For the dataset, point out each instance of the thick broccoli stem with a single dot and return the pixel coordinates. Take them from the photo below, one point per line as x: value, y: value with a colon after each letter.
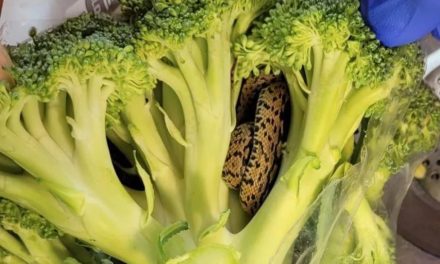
x: 354, y: 109
x: 328, y: 88
x: 208, y: 138
x: 10, y: 243
x: 205, y: 100
x: 166, y: 177
x: 56, y: 123
x: 328, y: 85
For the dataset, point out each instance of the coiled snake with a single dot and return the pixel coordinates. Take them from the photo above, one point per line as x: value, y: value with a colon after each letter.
x: 254, y: 152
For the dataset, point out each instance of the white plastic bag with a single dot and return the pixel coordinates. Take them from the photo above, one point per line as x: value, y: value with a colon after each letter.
x: 18, y: 16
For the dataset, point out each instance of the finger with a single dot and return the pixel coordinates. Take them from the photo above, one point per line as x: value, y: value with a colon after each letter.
x: 5, y: 61
x: 399, y: 22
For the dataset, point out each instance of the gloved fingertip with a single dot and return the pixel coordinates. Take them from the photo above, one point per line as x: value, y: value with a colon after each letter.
x: 364, y: 8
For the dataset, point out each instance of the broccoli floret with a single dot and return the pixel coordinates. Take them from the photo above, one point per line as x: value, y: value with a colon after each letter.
x: 70, y: 87
x: 336, y: 71
x: 187, y: 45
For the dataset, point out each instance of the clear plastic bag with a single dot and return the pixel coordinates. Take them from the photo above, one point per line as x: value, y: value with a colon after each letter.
x: 354, y: 220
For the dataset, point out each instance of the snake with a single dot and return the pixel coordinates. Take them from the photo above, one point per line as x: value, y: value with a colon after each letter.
x: 255, y: 148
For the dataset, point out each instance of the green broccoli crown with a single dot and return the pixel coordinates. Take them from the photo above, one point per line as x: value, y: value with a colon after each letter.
x: 37, y: 59
x: 13, y: 216
x: 408, y: 62
x: 291, y: 33
x: 75, y: 51
x: 97, y: 56
x: 119, y: 32
x: 418, y: 131
x: 80, y: 27
x: 171, y: 23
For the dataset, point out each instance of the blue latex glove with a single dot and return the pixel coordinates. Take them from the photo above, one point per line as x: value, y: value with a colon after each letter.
x: 399, y: 22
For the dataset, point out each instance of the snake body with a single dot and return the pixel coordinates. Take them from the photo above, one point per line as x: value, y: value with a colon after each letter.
x: 255, y: 149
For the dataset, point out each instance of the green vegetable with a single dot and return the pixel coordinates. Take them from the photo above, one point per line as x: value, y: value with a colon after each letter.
x: 160, y: 83
x: 71, y: 84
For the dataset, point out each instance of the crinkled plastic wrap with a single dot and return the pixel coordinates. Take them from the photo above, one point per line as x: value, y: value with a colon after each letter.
x: 354, y: 219
x: 18, y: 16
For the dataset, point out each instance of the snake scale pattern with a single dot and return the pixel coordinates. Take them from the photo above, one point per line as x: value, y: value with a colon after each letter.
x: 254, y: 152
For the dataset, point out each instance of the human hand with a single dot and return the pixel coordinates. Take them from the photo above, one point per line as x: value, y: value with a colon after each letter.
x: 399, y: 22
x: 5, y: 61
